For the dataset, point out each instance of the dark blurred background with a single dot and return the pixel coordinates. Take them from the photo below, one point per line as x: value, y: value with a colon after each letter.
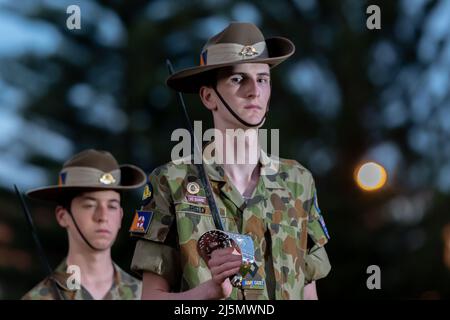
x: 348, y: 95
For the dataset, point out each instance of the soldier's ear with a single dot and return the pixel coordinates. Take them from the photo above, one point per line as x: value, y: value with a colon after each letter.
x: 208, y: 99
x: 61, y: 216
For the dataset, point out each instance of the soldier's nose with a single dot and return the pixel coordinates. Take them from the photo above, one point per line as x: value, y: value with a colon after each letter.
x: 253, y: 89
x: 101, y: 214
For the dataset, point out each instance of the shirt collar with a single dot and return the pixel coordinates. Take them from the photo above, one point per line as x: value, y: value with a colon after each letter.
x: 61, y: 275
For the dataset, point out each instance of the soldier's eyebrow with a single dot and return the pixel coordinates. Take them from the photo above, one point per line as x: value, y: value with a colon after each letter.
x: 247, y: 74
x: 89, y: 198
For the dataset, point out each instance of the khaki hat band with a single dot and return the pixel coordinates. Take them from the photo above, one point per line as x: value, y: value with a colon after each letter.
x: 232, y: 52
x: 85, y: 176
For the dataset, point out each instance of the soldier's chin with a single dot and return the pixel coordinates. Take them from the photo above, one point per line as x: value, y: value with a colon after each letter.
x: 103, y: 244
x: 253, y: 121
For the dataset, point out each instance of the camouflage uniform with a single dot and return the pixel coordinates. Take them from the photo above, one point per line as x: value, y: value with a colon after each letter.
x: 279, y: 217
x: 125, y: 287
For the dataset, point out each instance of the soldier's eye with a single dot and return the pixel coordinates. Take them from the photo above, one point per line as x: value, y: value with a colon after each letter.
x: 264, y: 80
x: 236, y: 79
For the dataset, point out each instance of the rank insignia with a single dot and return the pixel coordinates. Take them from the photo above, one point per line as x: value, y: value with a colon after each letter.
x: 141, y: 221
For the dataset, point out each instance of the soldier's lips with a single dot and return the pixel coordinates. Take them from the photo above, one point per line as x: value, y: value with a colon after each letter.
x: 102, y: 231
x: 252, y: 106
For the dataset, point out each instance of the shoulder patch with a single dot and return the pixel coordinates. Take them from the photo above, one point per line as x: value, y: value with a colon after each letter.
x: 321, y: 220
x: 324, y: 227
x: 141, y: 221
x: 316, y: 204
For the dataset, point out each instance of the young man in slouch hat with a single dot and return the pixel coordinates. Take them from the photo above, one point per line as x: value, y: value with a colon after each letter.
x: 271, y: 200
x: 88, y: 198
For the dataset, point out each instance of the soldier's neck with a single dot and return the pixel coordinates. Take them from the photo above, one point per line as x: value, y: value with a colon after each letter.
x: 240, y: 153
x: 244, y: 183
x: 97, y: 271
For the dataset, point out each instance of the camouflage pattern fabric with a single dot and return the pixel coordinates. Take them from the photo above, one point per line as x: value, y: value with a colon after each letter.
x: 279, y: 217
x: 125, y: 287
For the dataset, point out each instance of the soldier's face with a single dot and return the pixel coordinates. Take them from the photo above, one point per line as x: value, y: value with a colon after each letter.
x: 246, y: 89
x: 98, y: 215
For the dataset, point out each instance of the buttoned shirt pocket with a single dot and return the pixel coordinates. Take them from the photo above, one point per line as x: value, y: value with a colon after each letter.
x: 193, y: 220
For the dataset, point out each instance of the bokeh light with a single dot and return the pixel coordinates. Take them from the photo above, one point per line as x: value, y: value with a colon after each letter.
x: 371, y: 176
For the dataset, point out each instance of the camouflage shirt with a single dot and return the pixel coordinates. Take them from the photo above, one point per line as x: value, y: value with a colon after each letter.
x: 282, y: 217
x: 125, y: 287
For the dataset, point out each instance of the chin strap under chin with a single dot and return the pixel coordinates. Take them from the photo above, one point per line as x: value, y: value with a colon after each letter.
x: 245, y: 123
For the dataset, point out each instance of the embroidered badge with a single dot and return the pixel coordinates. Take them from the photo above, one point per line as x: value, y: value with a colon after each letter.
x: 141, y: 221
x: 316, y: 204
x: 197, y: 209
x: 321, y: 220
x: 193, y: 187
x: 253, y: 284
x: 196, y: 199
x: 147, y: 194
x: 324, y: 227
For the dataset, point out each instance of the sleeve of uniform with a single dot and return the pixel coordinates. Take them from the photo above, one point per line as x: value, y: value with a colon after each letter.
x: 154, y: 226
x: 42, y: 291
x: 317, y: 264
